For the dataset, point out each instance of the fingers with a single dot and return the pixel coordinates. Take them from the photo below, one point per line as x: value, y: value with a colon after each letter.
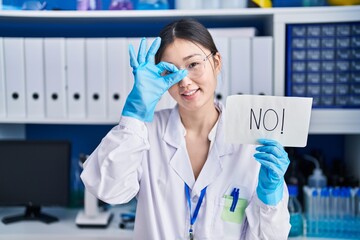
x: 270, y: 162
x: 272, y: 150
x: 270, y: 165
x: 171, y: 68
x: 150, y: 57
x: 272, y: 155
x: 271, y: 146
x: 270, y: 142
x: 142, y: 51
x: 142, y: 55
x: 133, y: 61
x: 175, y: 75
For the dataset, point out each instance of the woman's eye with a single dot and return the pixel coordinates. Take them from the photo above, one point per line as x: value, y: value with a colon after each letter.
x: 193, y: 65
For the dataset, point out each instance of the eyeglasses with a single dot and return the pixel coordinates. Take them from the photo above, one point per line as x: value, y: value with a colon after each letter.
x: 195, y: 66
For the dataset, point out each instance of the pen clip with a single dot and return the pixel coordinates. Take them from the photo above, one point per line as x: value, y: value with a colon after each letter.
x: 235, y: 194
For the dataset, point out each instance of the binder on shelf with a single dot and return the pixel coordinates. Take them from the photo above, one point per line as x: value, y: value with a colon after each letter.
x: 240, y: 65
x: 117, y: 69
x: 75, y: 75
x: 262, y: 65
x: 96, y: 77
x: 34, y: 72
x: 233, y: 32
x: 55, y: 85
x: 2, y: 81
x: 222, y: 90
x: 15, y: 77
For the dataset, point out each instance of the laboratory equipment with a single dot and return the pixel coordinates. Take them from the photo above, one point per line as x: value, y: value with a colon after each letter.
x: 331, y: 212
x: 317, y: 179
x: 295, y: 210
x: 34, y: 174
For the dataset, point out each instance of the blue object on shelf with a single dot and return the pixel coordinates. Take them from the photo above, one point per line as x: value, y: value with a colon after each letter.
x: 287, y: 3
x: 323, y: 62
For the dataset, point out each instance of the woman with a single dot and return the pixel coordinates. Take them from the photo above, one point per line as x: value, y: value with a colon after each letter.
x: 188, y: 182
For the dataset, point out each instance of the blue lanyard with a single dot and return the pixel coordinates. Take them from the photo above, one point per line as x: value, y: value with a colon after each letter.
x: 197, y: 208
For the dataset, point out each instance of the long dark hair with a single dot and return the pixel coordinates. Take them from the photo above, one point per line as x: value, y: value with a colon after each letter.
x: 188, y: 29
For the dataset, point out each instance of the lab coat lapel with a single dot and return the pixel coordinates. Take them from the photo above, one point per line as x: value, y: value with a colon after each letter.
x: 213, y: 164
x: 174, y: 136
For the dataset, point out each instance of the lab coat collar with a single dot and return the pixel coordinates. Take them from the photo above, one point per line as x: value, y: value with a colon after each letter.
x: 174, y: 136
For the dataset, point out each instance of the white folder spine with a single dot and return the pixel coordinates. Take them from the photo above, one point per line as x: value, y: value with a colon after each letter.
x: 240, y: 65
x: 34, y: 72
x: 222, y: 90
x: 75, y: 75
x: 96, y: 78
x: 117, y: 68
x: 55, y: 82
x: 2, y: 81
x: 15, y: 77
x: 262, y: 67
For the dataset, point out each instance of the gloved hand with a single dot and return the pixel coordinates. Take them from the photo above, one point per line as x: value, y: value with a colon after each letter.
x: 149, y: 84
x: 274, y: 163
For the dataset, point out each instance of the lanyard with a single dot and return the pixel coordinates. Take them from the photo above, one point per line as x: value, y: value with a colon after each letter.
x: 197, y: 208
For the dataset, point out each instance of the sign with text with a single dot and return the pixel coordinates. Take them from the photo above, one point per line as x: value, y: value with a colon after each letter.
x: 250, y: 117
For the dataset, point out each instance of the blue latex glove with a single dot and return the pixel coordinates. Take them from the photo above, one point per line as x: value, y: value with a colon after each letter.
x: 149, y: 84
x: 274, y: 163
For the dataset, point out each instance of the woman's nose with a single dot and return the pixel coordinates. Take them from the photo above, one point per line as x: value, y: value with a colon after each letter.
x: 186, y: 81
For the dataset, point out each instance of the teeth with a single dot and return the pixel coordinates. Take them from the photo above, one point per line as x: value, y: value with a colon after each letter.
x: 190, y: 93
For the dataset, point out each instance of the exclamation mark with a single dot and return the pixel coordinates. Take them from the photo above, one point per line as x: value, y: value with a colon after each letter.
x: 282, y: 123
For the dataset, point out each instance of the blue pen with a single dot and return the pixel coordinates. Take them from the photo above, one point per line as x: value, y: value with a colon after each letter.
x: 235, y: 194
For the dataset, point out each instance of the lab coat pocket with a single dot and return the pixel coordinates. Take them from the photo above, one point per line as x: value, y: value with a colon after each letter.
x: 235, y: 215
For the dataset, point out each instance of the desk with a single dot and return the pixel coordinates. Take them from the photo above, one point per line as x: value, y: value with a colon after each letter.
x: 64, y: 229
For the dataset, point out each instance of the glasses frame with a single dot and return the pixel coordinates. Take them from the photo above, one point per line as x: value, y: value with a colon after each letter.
x: 204, y: 61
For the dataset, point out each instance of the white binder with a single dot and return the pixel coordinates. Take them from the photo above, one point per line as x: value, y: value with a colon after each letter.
x: 34, y: 72
x: 15, y: 77
x: 2, y: 81
x: 75, y: 75
x: 117, y: 69
x: 55, y: 85
x: 233, y: 32
x: 96, y: 77
x: 262, y: 65
x: 240, y: 65
x: 222, y: 90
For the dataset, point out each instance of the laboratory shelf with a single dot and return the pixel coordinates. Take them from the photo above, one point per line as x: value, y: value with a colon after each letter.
x: 135, y: 23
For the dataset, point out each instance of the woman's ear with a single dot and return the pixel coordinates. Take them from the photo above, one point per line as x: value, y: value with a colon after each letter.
x: 217, y: 63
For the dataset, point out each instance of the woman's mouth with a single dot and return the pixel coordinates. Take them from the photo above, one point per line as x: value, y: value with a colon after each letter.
x: 190, y: 93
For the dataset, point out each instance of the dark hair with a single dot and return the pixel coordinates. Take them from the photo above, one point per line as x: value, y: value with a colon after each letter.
x: 188, y: 29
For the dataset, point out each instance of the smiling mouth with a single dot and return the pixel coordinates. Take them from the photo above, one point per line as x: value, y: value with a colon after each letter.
x: 190, y: 93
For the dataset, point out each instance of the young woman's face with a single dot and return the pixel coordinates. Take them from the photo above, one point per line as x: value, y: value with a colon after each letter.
x: 198, y: 87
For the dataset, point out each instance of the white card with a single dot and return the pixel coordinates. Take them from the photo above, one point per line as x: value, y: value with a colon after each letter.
x: 250, y: 117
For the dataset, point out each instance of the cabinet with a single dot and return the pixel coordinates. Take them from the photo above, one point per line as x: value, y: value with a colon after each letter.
x: 269, y: 22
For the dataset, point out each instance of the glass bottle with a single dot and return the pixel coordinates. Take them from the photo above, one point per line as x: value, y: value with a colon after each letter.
x: 295, y: 210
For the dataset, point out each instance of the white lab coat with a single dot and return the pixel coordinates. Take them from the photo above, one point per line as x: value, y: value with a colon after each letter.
x: 150, y: 161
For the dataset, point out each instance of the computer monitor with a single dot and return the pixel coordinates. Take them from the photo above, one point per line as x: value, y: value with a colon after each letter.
x: 34, y: 174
